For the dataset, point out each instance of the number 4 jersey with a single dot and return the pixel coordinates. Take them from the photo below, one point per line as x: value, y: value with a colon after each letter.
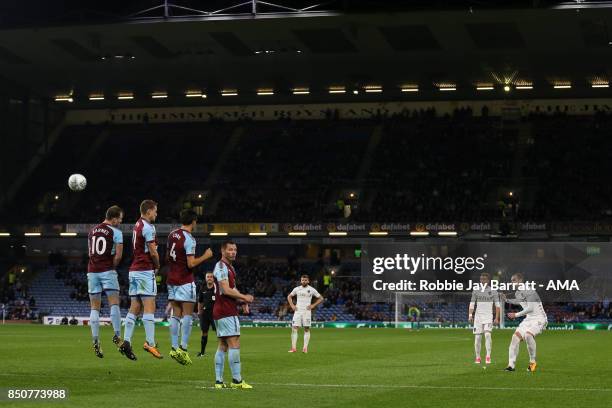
x: 102, y: 241
x: 180, y: 245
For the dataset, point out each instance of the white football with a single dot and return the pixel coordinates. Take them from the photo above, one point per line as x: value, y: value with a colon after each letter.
x: 77, y: 182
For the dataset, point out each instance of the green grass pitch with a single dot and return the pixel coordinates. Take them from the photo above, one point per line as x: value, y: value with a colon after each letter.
x: 345, y: 368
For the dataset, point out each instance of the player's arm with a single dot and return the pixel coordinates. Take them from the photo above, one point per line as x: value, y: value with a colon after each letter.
x: 192, y: 261
x: 234, y: 293
x: 316, y: 303
x: 154, y: 254
x: 523, y: 312
x: 118, y: 255
x: 200, y: 299
x: 118, y: 243
x: 497, y: 310
x: 471, y: 308
x: 290, y: 300
x: 514, y: 301
x: 148, y: 234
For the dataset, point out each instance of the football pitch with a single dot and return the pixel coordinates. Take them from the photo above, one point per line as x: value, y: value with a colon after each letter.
x: 345, y: 368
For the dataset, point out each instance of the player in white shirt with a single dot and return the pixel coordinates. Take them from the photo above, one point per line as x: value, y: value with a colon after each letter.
x: 302, y: 311
x: 483, y: 301
x: 534, y: 323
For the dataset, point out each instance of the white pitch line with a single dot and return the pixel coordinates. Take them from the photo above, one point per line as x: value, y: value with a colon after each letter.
x: 201, y: 383
x: 433, y: 387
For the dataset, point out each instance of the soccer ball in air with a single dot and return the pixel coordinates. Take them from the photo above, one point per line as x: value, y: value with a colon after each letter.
x: 77, y: 182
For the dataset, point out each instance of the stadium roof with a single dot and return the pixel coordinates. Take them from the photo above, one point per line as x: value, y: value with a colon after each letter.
x: 548, y: 49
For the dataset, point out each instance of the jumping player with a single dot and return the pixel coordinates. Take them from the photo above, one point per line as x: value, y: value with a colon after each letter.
x: 143, y: 287
x: 180, y: 253
x: 105, y: 244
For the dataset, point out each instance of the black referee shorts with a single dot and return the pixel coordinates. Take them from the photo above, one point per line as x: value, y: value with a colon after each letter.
x: 206, y: 322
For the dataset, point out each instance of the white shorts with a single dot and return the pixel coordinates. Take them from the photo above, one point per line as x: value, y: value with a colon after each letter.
x: 533, y: 326
x: 302, y: 318
x: 482, y: 326
x: 182, y: 293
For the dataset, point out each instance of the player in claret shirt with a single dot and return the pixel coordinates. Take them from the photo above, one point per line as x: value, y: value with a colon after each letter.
x: 143, y: 288
x: 105, y: 243
x: 180, y: 254
x: 225, y: 314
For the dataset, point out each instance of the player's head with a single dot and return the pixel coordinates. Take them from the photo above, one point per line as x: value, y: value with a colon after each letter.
x: 210, y: 278
x: 517, y: 278
x: 304, y: 280
x: 189, y: 218
x: 148, y: 210
x: 229, y: 250
x: 114, y: 215
x: 485, y: 278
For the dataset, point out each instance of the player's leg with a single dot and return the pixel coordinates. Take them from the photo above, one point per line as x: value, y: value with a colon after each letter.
x: 233, y: 353
x: 478, y: 330
x: 295, y: 326
x: 306, y: 339
x: 130, y: 318
x: 115, y: 314
x: 531, y: 332
x: 147, y: 290
x: 148, y: 321
x: 294, y: 337
x: 306, y: 319
x: 188, y: 296
x: 130, y: 324
x: 531, y: 349
x: 488, y: 345
x: 513, y: 350
x: 186, y: 327
x: 134, y: 310
x: 111, y: 288
x: 175, y: 327
x: 95, y: 300
x: 220, y: 362
x: 232, y: 329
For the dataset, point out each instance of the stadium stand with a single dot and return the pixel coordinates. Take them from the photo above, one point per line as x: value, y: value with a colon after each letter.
x: 423, y: 167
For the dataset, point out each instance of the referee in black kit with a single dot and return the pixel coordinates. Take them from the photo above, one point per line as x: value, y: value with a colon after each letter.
x: 206, y: 301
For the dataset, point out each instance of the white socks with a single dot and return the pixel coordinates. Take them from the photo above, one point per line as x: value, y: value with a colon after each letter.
x: 488, y: 343
x: 531, y: 347
x: 513, y: 350
x: 477, y: 344
x: 294, y: 336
